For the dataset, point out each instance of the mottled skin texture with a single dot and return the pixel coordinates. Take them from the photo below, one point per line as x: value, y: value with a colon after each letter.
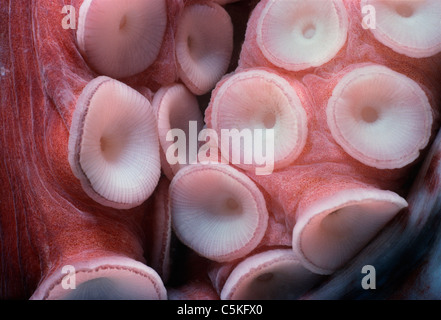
x: 46, y: 219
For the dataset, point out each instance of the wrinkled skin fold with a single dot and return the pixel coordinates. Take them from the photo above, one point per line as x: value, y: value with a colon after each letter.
x: 46, y: 221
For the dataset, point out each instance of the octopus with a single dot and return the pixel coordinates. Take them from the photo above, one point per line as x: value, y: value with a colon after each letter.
x: 220, y: 149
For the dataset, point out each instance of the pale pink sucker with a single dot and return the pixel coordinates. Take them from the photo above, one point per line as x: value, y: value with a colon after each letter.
x: 294, y: 35
x: 380, y: 117
x: 176, y: 107
x: 120, y: 39
x: 107, y: 277
x: 367, y: 125
x: 406, y: 252
x: 204, y: 45
x: 272, y: 254
x: 272, y: 274
x: 217, y: 211
x: 410, y: 28
x: 303, y: 195
x: 113, y: 144
x: 263, y: 100
x: 197, y: 289
x: 163, y: 71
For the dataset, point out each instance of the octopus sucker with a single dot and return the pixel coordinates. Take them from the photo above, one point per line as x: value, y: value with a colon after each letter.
x: 382, y: 99
x: 120, y: 39
x: 204, y: 45
x: 225, y: 207
x: 271, y: 274
x: 408, y: 27
x: 263, y: 100
x: 113, y: 144
x: 297, y: 35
